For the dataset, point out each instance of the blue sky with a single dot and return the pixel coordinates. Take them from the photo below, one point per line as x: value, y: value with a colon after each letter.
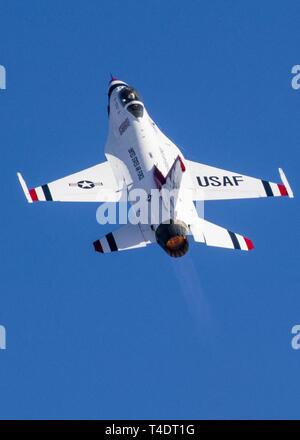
x: 138, y: 335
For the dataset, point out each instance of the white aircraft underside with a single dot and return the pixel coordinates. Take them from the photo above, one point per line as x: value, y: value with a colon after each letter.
x: 140, y: 156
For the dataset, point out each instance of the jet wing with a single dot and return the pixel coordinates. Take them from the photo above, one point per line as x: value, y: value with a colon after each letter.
x: 214, y: 235
x: 216, y: 184
x: 94, y: 184
x: 125, y: 238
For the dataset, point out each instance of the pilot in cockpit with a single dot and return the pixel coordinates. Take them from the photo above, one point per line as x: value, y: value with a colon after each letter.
x: 128, y: 94
x: 131, y: 96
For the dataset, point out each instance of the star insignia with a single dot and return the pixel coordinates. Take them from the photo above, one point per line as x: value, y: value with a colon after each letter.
x: 86, y: 184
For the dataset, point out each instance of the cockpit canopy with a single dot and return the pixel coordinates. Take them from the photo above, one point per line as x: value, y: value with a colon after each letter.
x: 128, y: 94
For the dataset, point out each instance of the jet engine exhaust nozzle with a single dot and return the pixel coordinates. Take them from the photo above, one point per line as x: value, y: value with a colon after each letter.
x: 172, y: 237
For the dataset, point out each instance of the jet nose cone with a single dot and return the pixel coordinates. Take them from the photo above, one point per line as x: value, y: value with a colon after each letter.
x: 113, y: 78
x: 113, y: 83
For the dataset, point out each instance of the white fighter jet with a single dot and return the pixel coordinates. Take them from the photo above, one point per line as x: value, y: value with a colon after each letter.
x: 140, y: 156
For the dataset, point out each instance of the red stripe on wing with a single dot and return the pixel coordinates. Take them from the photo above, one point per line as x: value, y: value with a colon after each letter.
x: 33, y: 195
x: 249, y: 243
x: 282, y: 189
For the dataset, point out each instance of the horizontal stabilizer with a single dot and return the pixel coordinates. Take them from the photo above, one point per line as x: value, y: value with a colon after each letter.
x: 214, y: 235
x: 125, y: 238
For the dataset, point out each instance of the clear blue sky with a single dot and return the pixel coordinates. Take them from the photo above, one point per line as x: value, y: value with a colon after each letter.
x: 137, y: 334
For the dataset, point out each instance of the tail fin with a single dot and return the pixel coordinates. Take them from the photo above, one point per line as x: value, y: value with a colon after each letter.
x: 173, y: 178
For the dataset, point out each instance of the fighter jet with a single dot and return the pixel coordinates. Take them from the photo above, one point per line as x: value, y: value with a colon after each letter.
x: 140, y: 156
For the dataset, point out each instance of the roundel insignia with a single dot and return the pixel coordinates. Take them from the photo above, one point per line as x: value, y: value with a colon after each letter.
x: 85, y: 184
